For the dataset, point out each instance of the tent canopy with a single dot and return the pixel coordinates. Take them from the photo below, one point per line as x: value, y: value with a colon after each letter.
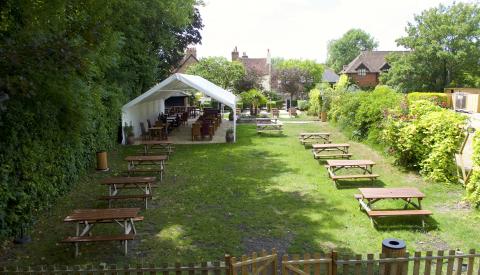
x: 149, y: 104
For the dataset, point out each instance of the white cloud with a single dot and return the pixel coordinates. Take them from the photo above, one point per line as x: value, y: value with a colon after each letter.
x: 301, y: 28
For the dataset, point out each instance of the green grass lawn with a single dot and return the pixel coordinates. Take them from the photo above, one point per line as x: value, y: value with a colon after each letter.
x: 265, y: 191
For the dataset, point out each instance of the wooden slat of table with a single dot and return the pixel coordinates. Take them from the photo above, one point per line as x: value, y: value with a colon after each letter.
x: 391, y: 193
x: 329, y: 145
x: 101, y: 214
x: 352, y: 162
x: 155, y: 142
x: 127, y: 180
x: 314, y: 134
x: 146, y: 158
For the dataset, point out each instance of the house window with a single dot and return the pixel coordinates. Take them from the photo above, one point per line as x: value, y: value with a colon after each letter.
x: 362, y: 72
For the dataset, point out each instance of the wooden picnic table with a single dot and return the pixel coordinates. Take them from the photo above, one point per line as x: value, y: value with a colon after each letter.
x: 269, y: 124
x: 339, y: 149
x: 155, y: 160
x: 166, y: 146
x: 115, y: 184
x: 366, y: 166
x: 369, y: 196
x: 309, y: 138
x: 156, y: 131
x: 86, y: 219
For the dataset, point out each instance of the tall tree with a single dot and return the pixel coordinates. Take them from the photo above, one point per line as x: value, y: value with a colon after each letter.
x: 445, y: 50
x: 219, y: 70
x: 343, y: 50
x: 67, y: 67
x: 296, y: 76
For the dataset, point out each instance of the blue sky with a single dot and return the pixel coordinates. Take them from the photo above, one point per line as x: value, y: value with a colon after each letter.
x: 301, y: 28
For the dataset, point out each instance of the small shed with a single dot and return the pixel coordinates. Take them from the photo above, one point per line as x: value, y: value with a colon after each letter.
x: 464, y: 99
x: 149, y: 104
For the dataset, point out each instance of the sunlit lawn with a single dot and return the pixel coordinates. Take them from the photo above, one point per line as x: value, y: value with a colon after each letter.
x: 262, y: 192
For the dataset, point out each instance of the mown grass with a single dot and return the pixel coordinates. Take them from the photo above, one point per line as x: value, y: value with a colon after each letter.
x: 264, y: 191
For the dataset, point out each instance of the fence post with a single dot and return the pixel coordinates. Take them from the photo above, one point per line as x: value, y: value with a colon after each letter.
x: 228, y: 264
x: 334, y: 262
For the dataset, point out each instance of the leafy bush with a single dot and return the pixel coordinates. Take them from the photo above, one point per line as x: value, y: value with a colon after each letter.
x: 440, y: 99
x: 363, y: 112
x: 302, y: 105
x: 426, y: 138
x: 473, y: 184
x: 314, y: 102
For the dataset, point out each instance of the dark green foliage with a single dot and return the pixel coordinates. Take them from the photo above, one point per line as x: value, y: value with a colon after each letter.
x: 363, y: 112
x: 343, y: 50
x: 444, y: 43
x: 67, y: 67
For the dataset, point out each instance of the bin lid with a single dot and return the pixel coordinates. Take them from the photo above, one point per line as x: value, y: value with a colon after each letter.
x: 393, y: 243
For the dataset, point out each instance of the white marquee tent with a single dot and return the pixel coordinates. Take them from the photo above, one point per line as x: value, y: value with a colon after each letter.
x: 149, y: 104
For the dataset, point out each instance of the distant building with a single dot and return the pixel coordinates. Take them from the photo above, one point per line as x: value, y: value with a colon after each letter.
x: 188, y: 60
x: 330, y: 76
x: 366, y: 68
x: 260, y: 66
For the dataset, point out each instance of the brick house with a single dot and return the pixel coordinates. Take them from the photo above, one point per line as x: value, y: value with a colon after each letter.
x: 261, y: 66
x: 189, y: 59
x: 366, y: 68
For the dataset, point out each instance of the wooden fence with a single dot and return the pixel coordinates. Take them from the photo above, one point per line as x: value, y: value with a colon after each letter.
x: 428, y: 263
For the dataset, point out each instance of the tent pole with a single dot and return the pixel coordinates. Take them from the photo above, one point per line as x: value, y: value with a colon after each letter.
x: 234, y: 110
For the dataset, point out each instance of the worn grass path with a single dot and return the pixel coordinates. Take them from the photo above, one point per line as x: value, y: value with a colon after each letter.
x: 262, y: 192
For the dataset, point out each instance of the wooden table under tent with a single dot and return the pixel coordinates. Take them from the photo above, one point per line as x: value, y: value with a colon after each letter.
x: 151, y: 103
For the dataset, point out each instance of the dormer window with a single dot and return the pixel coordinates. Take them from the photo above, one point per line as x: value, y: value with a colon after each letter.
x: 362, y: 72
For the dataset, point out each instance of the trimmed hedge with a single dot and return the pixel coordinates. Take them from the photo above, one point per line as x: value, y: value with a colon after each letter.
x: 440, y: 99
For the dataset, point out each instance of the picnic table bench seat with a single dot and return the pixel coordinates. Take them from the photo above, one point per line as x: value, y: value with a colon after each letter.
x: 87, y: 239
x: 144, y: 197
x: 389, y: 213
x: 359, y: 176
x: 318, y: 155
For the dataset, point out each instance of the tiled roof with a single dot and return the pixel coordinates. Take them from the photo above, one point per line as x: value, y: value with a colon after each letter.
x: 259, y: 65
x: 372, y: 60
x: 329, y: 76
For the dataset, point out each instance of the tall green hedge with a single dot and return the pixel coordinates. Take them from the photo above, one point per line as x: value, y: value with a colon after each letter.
x: 67, y: 66
x: 473, y: 184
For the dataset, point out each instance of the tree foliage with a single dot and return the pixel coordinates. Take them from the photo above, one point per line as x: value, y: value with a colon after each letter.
x: 67, y: 68
x: 296, y: 76
x: 219, y: 70
x: 343, y: 50
x: 445, y: 50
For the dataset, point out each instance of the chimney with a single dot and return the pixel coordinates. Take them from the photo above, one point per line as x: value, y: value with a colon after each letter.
x: 269, y: 57
x: 244, y: 55
x: 235, y: 54
x: 191, y: 51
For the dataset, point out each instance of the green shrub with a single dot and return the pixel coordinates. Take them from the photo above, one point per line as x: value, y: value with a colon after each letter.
x: 473, y: 184
x: 440, y: 99
x: 302, y: 105
x: 426, y: 138
x: 363, y: 112
x: 314, y: 102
